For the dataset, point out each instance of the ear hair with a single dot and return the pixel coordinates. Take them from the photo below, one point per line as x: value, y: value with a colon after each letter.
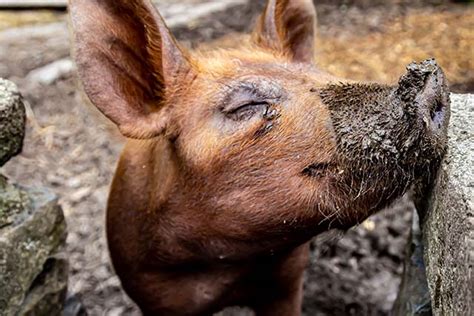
x: 288, y: 27
x: 127, y: 59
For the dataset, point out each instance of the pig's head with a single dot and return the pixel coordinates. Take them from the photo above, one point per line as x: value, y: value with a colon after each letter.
x: 262, y: 140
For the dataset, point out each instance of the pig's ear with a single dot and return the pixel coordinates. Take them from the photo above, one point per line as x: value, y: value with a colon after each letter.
x: 288, y: 26
x: 127, y: 61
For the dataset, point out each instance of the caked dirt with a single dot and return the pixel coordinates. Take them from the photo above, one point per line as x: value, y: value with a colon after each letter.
x: 70, y: 150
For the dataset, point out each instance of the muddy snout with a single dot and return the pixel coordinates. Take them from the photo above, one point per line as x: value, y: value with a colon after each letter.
x: 382, y: 129
x: 424, y: 91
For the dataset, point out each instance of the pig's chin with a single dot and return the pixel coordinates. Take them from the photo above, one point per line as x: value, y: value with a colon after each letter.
x: 349, y: 193
x: 355, y: 187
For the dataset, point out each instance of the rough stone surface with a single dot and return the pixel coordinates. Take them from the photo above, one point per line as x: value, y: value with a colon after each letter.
x: 12, y: 121
x: 438, y: 276
x: 414, y: 296
x: 449, y: 222
x: 12, y: 203
x: 47, y: 294
x: 33, y: 276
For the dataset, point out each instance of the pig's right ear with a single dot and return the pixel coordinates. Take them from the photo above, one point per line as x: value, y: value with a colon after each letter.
x: 289, y: 27
x: 127, y: 60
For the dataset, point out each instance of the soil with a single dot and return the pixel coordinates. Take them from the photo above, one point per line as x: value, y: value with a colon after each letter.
x: 72, y: 150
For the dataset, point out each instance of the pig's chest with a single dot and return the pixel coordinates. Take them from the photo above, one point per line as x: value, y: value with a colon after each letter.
x: 200, y: 290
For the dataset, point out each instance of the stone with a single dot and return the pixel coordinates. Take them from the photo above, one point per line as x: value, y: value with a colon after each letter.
x: 12, y: 121
x: 74, y: 306
x: 448, y: 225
x: 33, y: 270
x: 438, y: 274
x: 182, y: 13
x: 33, y: 3
x: 46, y: 295
x: 414, y: 295
x: 51, y: 72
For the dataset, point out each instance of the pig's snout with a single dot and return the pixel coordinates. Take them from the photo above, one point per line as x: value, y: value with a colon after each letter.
x: 424, y: 92
x: 386, y: 130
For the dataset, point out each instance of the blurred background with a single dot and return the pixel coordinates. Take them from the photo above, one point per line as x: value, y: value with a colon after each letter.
x: 71, y: 151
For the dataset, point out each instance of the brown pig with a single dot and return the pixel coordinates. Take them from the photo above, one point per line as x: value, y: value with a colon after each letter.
x: 237, y: 158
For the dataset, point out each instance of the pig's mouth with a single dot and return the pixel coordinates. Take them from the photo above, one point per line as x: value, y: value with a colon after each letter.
x: 317, y: 170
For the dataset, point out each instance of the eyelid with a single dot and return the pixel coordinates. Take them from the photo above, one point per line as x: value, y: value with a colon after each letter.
x: 232, y: 108
x: 246, y: 93
x: 234, y: 105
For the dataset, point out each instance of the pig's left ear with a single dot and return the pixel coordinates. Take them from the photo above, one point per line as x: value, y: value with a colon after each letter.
x: 128, y: 62
x: 289, y: 27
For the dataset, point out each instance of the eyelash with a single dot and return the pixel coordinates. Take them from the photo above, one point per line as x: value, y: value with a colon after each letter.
x: 247, y: 111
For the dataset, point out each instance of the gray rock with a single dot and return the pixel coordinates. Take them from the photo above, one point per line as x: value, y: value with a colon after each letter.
x: 50, y: 73
x: 33, y: 275
x: 182, y: 13
x: 12, y: 203
x: 414, y: 295
x: 12, y: 121
x: 448, y: 227
x: 46, y: 295
x: 438, y: 276
x: 236, y: 311
x: 74, y: 306
x: 33, y: 3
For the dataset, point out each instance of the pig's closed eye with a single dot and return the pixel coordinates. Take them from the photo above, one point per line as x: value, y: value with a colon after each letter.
x: 247, y: 111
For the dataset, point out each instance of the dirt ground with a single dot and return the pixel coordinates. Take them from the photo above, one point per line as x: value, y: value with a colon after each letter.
x: 71, y: 151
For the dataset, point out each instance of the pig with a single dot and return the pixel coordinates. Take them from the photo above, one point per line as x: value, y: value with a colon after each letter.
x: 236, y: 158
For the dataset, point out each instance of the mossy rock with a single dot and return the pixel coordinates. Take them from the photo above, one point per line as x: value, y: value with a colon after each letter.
x: 438, y: 276
x: 33, y: 271
x: 12, y: 121
x: 448, y: 228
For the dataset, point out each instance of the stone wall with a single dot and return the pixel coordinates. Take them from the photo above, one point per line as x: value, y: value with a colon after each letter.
x: 33, y: 270
x: 438, y: 277
x: 448, y: 226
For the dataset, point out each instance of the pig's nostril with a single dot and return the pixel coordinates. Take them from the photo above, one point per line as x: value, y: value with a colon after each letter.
x: 424, y: 86
x: 437, y: 113
x: 437, y: 108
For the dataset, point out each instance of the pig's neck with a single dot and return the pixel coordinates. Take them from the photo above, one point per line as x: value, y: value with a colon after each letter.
x: 151, y: 219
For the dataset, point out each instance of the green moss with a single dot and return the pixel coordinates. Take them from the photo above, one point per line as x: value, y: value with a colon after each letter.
x: 13, y: 202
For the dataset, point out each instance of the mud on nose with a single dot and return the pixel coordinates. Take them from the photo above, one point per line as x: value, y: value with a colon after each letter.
x: 424, y: 88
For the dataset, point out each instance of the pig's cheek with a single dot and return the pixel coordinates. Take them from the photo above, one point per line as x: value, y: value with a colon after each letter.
x: 206, y: 146
x: 198, y: 148
x: 310, y: 134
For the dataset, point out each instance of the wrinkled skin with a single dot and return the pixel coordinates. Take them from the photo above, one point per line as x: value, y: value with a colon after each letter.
x: 237, y: 158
